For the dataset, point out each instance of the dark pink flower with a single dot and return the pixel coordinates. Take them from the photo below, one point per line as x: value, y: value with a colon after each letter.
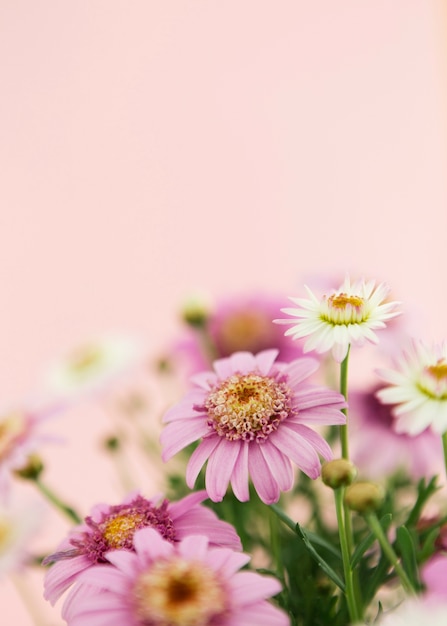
x: 252, y: 415
x: 113, y: 527
x: 235, y: 324
x: 165, y: 584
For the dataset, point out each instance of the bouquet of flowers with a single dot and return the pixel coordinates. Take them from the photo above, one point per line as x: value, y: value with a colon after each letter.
x: 290, y: 495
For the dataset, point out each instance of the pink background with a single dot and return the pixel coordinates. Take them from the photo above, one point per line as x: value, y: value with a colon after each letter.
x: 150, y: 150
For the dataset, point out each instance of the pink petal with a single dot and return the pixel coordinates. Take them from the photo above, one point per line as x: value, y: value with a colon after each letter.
x: 262, y: 614
x: 265, y: 360
x: 279, y: 465
x: 194, y: 547
x: 223, y: 368
x: 300, y: 369
x: 322, y: 415
x: 198, y: 458
x: 315, y: 439
x: 316, y: 396
x: 297, y: 449
x: 150, y: 545
x: 239, y: 478
x: 178, y: 509
x: 62, y: 574
x: 104, y: 577
x: 242, y: 362
x: 177, y: 436
x: 249, y: 587
x: 220, y: 467
x: 263, y: 480
x: 225, y: 561
x: 205, y: 380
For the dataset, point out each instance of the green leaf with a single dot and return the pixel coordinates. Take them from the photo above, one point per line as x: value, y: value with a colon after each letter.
x: 424, y: 493
x: 319, y: 559
x: 368, y: 541
x: 406, y: 547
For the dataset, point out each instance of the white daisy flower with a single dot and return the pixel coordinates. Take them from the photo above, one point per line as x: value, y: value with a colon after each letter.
x: 90, y: 366
x: 418, y: 388
x: 349, y: 315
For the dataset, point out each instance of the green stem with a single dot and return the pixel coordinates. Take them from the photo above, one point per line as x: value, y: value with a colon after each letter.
x: 355, y: 612
x: 344, y: 391
x: 50, y: 495
x: 444, y: 445
x: 377, y: 530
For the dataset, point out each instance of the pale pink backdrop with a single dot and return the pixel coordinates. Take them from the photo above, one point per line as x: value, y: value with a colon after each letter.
x: 150, y: 150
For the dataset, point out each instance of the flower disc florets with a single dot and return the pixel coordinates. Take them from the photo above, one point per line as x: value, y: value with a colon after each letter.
x: 117, y: 527
x: 177, y: 592
x: 248, y: 407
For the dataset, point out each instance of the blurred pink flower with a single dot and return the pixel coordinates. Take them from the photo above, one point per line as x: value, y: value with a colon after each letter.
x: 418, y: 388
x: 235, y: 324
x: 113, y: 527
x: 187, y: 584
x: 434, y: 576
x: 19, y: 522
x: 414, y: 612
x: 372, y: 429
x: 251, y: 413
x: 349, y: 316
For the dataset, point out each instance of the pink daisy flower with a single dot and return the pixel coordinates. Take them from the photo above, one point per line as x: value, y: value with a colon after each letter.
x: 372, y: 428
x: 113, y: 527
x: 252, y: 414
x: 237, y: 323
x: 187, y: 584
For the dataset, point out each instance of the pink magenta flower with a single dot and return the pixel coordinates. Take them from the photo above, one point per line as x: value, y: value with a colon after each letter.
x: 237, y: 323
x: 372, y: 428
x: 113, y: 527
x: 348, y: 316
x: 162, y: 584
x: 252, y: 414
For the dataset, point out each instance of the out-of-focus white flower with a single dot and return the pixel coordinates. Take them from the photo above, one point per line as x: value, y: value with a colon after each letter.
x: 91, y: 366
x: 18, y: 525
x: 418, y: 388
x: 416, y: 612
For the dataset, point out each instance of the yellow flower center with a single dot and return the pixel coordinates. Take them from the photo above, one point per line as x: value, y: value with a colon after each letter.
x: 245, y: 330
x: 5, y: 533
x: 248, y: 407
x: 176, y: 592
x: 342, y: 300
x: 119, y: 530
x: 433, y: 380
x: 12, y: 427
x: 439, y: 370
x: 344, y: 309
x: 84, y: 360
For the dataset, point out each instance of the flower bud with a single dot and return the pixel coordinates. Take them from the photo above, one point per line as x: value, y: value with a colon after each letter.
x: 364, y: 497
x: 32, y: 468
x: 338, y: 473
x: 195, y: 313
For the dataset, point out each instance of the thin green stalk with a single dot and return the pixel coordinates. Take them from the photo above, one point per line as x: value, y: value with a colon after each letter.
x: 387, y: 548
x: 344, y: 391
x: 444, y: 445
x: 57, y: 502
x: 355, y: 611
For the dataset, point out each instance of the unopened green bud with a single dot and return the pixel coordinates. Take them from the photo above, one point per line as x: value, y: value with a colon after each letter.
x: 338, y: 473
x: 32, y: 468
x: 195, y: 313
x: 364, y: 497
